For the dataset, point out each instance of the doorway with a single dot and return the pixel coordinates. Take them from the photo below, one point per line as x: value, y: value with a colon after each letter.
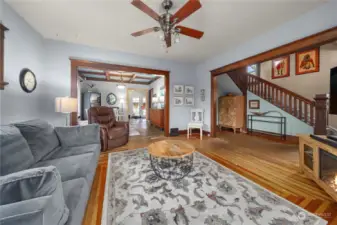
x: 106, y: 67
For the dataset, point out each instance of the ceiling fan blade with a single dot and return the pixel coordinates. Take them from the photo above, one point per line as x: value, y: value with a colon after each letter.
x: 143, y: 7
x: 146, y: 31
x: 190, y: 32
x: 168, y: 40
x: 188, y: 9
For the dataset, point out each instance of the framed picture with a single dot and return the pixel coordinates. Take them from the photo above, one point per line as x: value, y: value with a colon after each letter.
x: 281, y: 67
x: 178, y: 101
x: 189, y: 90
x: 189, y: 101
x: 111, y: 99
x: 254, y: 104
x: 307, y: 61
x: 178, y: 89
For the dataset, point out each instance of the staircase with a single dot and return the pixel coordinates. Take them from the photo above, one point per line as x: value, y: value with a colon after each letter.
x: 300, y: 107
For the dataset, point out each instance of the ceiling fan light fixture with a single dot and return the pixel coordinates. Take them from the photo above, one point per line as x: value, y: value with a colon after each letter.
x: 176, y: 38
x: 121, y: 85
x: 168, y: 23
x: 162, y: 37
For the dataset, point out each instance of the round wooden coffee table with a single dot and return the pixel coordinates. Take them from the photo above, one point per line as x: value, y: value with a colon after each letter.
x: 171, y: 159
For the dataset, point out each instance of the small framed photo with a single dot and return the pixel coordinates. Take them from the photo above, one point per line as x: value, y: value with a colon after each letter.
x: 189, y: 90
x: 254, y: 104
x: 281, y: 67
x: 189, y: 101
x: 307, y: 61
x: 178, y: 101
x: 178, y: 89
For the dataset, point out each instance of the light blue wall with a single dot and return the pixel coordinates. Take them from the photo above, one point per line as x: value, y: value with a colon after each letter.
x: 225, y: 85
x: 317, y: 20
x: 294, y: 125
x: 23, y: 49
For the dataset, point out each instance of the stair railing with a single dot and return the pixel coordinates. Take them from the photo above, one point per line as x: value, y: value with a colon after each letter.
x: 295, y: 104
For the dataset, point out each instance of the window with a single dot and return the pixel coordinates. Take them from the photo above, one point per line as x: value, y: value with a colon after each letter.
x: 2, y: 38
x: 135, y: 106
x: 254, y: 69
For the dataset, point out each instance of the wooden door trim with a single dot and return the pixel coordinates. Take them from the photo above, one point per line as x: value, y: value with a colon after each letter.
x: 75, y: 63
x: 308, y: 42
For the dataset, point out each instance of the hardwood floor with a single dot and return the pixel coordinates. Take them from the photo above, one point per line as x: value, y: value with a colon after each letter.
x: 271, y: 165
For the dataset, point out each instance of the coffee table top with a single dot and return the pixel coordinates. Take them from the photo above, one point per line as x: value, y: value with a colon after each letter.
x: 170, y: 149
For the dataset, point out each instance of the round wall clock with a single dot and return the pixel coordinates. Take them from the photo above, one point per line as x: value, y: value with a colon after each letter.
x: 111, y: 99
x: 27, y: 80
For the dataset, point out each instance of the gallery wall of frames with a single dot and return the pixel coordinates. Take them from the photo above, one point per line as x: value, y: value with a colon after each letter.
x: 183, y: 95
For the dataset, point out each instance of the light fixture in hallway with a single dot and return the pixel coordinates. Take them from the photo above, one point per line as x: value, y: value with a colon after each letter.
x: 121, y: 85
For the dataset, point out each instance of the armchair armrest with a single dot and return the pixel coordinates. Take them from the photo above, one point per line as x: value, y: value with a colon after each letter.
x: 121, y: 123
x: 78, y: 135
x: 32, y: 197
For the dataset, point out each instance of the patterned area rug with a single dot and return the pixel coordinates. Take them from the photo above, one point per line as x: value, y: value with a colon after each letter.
x: 211, y: 194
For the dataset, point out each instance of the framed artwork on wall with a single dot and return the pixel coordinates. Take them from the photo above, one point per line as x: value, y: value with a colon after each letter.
x: 307, y: 61
x: 178, y: 101
x: 178, y: 89
x: 254, y: 104
x: 281, y: 67
x: 189, y: 90
x: 189, y: 101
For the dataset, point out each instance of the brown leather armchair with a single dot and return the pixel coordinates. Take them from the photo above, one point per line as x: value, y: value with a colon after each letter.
x: 113, y: 133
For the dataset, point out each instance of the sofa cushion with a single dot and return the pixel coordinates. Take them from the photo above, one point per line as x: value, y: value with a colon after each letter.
x: 77, y: 150
x: 15, y: 154
x: 40, y: 136
x: 78, y: 135
x: 76, y: 194
x: 117, y: 132
x: 73, y: 167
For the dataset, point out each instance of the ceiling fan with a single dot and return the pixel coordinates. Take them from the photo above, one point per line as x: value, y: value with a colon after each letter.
x: 168, y: 22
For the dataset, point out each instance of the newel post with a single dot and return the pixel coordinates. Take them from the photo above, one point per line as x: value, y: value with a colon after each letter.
x: 322, y: 114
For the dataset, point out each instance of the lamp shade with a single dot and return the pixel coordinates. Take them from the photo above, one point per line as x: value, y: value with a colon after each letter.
x: 65, y: 104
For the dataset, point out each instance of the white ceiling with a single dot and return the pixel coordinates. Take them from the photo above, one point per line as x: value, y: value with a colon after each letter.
x: 109, y: 23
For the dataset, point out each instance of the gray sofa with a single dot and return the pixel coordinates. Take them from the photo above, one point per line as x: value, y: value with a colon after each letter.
x: 46, y: 173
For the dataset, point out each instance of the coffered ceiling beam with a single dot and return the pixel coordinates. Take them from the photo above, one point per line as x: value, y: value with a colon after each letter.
x: 154, y: 79
x: 132, y: 78
x: 107, y: 76
x: 113, y: 81
x: 112, y: 75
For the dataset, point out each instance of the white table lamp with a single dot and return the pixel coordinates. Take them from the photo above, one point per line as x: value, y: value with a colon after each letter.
x: 66, y: 105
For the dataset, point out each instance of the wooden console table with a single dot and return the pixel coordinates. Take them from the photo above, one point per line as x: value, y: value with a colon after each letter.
x: 281, y: 120
x: 318, y: 161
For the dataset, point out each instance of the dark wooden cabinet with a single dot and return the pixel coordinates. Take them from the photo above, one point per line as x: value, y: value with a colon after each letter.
x: 157, y: 117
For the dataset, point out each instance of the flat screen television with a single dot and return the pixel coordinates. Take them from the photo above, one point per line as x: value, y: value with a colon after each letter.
x: 333, y: 91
